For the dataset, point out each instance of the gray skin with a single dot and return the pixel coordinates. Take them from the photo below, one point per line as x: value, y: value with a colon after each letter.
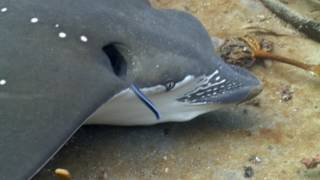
x: 53, y: 85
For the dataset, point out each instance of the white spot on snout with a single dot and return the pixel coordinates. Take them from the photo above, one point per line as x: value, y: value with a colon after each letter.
x: 57, y: 25
x: 62, y: 35
x: 3, y: 10
x: 84, y: 38
x: 3, y: 82
x: 34, y: 20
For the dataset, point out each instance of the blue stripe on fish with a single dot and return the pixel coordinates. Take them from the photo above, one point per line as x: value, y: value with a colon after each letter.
x: 145, y: 100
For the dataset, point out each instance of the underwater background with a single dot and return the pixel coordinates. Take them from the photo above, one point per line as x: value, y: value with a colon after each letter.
x: 265, y: 138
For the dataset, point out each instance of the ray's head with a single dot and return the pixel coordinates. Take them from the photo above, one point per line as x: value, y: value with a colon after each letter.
x: 177, y: 50
x: 172, y: 60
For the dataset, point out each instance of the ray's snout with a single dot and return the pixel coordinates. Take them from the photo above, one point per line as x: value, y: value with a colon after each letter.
x: 253, y: 92
x: 248, y: 88
x: 227, y: 85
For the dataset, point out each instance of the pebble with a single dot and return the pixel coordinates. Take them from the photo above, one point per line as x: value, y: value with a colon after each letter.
x: 248, y: 172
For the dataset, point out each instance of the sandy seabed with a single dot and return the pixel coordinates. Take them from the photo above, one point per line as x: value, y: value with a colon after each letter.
x: 265, y: 138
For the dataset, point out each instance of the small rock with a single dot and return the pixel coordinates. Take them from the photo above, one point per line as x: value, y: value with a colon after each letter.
x: 286, y: 94
x: 248, y: 172
x: 311, y: 163
x: 166, y: 170
x: 261, y: 17
x: 255, y: 159
x: 165, y: 158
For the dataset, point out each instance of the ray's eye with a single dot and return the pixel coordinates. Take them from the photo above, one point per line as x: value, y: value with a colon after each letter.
x: 170, y: 85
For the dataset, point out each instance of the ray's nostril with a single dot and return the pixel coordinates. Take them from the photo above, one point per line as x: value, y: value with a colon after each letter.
x: 117, y: 60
